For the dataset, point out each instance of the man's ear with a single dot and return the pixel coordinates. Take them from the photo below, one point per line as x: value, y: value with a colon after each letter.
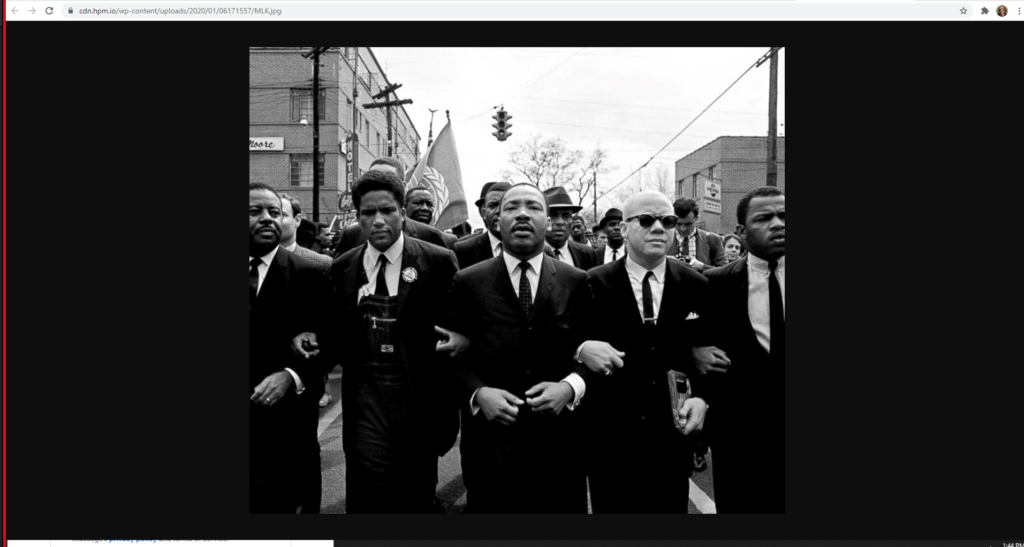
x: 741, y: 231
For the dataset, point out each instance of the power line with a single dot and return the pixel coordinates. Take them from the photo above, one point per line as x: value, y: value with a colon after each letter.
x: 680, y: 132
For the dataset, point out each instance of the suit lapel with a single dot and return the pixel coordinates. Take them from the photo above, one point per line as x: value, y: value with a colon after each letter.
x: 545, y: 284
x: 355, y: 278
x: 624, y: 293
x: 276, y: 278
x: 742, y: 292
x: 576, y: 255
x: 503, y: 283
x: 409, y: 260
x: 671, y: 302
x: 701, y: 242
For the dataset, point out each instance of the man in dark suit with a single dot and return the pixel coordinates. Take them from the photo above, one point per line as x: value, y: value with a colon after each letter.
x: 352, y: 236
x: 560, y: 214
x: 284, y: 453
x: 641, y: 457
x: 487, y: 244
x: 399, y: 409
x: 614, y: 247
x: 746, y: 365
x: 524, y: 314
x: 701, y: 250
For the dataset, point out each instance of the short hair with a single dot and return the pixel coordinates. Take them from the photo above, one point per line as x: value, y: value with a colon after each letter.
x: 393, y: 162
x: 296, y: 208
x: 726, y: 239
x: 262, y: 186
x: 579, y: 218
x: 744, y: 204
x: 539, y: 191
x: 377, y: 180
x: 683, y: 207
x: 408, y: 193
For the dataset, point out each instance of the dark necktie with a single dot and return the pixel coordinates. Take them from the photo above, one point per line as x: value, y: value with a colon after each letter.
x: 648, y: 300
x: 382, y: 282
x: 686, y: 246
x: 558, y: 255
x: 777, y: 322
x: 525, y: 296
x: 615, y: 255
x: 254, y: 280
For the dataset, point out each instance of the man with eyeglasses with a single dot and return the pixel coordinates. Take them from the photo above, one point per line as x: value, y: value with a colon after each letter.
x: 640, y: 461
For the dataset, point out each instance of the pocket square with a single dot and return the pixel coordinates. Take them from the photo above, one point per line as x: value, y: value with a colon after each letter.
x: 693, y: 315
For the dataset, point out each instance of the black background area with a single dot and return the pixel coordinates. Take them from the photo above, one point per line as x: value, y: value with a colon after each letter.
x: 128, y: 330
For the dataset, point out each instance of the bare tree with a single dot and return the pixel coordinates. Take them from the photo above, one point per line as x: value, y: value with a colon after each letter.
x: 658, y: 179
x: 544, y: 163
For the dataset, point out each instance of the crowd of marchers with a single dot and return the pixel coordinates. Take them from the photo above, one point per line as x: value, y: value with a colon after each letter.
x: 565, y: 362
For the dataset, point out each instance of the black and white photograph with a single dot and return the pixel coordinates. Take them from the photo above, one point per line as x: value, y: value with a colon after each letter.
x: 517, y: 280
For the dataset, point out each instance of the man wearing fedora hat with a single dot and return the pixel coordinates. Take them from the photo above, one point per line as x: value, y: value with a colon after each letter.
x: 560, y: 215
x: 614, y: 248
x: 487, y: 244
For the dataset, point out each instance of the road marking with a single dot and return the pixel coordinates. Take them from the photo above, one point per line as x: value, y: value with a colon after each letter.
x: 328, y: 418
x: 704, y: 504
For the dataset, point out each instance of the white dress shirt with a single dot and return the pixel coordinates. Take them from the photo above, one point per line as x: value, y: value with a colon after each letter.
x: 291, y: 248
x: 262, y: 268
x: 563, y: 254
x: 636, y: 280
x: 394, y: 257
x: 608, y: 253
x: 579, y: 387
x: 757, y: 296
x: 494, y: 243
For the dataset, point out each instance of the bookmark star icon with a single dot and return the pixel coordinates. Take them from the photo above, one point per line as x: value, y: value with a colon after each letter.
x: 963, y: 11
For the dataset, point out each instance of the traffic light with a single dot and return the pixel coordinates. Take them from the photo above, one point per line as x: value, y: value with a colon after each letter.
x: 501, y: 119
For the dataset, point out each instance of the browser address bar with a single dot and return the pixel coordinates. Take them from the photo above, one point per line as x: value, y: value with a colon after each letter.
x: 426, y: 10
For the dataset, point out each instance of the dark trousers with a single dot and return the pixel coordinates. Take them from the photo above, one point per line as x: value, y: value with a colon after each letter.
x: 390, y: 465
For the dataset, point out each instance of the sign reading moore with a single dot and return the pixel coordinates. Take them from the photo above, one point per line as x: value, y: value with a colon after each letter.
x: 266, y: 144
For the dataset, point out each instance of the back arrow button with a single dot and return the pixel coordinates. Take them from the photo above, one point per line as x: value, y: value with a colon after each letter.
x: 14, y: 11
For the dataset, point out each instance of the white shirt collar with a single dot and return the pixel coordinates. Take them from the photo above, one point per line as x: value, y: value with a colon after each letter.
x: 494, y: 241
x: 393, y: 253
x: 761, y: 264
x: 269, y: 257
x: 640, y: 272
x: 512, y: 262
x: 291, y: 248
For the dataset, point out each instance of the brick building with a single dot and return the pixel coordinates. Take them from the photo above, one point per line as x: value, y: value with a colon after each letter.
x: 718, y: 174
x: 281, y: 149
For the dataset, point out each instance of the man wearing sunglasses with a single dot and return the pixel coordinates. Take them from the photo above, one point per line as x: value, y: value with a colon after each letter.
x: 701, y: 250
x: 641, y: 462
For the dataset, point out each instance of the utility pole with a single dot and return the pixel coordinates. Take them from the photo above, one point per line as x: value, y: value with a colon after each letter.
x: 315, y: 53
x: 772, y: 100
x: 430, y: 137
x: 595, y: 193
x: 355, y: 127
x: 387, y: 105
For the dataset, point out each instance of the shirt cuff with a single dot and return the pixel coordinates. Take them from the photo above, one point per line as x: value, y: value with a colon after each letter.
x: 580, y: 350
x: 299, y: 388
x: 473, y: 407
x: 578, y: 386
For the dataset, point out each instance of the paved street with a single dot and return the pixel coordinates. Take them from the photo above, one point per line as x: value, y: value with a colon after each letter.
x: 450, y: 488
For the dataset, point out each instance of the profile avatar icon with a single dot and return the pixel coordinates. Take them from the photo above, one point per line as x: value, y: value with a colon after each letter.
x: 1001, y: 11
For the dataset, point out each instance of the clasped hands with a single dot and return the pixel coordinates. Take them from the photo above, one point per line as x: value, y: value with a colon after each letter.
x: 305, y: 345
x: 503, y: 407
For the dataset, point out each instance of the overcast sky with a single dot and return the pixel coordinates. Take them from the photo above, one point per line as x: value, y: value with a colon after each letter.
x: 630, y: 101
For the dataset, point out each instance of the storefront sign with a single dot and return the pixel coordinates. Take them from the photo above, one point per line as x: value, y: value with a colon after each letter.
x: 266, y: 144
